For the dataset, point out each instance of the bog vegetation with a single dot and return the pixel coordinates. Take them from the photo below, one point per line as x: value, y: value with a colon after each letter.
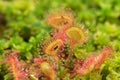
x: 59, y: 40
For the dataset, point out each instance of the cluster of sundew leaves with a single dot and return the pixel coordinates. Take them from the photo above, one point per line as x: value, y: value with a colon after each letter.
x: 100, y: 17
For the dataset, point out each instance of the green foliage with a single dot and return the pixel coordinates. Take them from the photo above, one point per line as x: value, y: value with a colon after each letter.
x: 112, y: 69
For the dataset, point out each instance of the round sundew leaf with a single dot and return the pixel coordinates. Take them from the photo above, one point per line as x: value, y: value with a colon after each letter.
x: 48, y: 70
x: 77, y: 35
x: 60, y: 18
x: 53, y: 47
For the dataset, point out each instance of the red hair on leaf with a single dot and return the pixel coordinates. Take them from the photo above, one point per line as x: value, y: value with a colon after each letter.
x: 16, y: 67
x: 93, y: 62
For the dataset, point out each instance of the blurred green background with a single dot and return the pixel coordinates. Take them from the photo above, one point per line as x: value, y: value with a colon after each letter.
x: 23, y: 27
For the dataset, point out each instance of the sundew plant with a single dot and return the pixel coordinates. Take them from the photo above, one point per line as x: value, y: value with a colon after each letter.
x: 59, y: 40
